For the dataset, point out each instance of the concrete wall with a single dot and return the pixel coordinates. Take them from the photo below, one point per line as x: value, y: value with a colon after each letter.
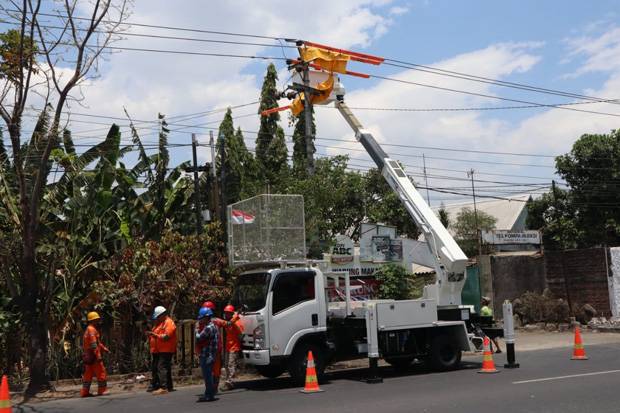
x: 580, y: 276
x: 513, y: 275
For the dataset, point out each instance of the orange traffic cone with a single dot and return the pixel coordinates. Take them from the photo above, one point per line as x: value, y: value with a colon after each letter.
x: 312, y: 382
x: 579, y: 353
x: 488, y: 366
x: 5, y: 400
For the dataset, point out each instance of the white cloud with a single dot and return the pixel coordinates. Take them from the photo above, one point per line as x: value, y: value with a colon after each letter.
x: 601, y: 53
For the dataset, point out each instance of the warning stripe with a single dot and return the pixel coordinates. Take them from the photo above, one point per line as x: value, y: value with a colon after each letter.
x: 5, y: 404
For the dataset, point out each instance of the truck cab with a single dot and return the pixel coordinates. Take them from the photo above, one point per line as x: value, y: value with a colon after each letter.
x: 284, y: 315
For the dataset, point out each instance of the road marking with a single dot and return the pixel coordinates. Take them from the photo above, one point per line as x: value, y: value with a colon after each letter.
x: 566, y: 377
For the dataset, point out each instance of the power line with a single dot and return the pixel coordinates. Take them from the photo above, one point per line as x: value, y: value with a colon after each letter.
x: 388, y: 61
x: 446, y: 89
x: 496, y: 82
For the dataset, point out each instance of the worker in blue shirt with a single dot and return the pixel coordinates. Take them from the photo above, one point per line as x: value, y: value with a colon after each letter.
x: 206, y: 346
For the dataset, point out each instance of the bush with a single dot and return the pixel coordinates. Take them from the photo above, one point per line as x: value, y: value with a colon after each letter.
x: 534, y: 308
x: 393, y: 282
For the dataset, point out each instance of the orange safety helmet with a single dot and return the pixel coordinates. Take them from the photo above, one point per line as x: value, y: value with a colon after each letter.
x: 209, y: 304
x: 229, y: 309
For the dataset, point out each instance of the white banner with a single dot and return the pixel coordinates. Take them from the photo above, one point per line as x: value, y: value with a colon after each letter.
x: 503, y: 237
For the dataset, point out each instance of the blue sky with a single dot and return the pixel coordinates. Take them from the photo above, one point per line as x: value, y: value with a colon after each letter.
x: 572, y: 46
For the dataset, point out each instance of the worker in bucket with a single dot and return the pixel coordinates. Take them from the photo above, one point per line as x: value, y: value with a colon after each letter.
x: 487, y: 311
x: 206, y: 334
x: 232, y: 331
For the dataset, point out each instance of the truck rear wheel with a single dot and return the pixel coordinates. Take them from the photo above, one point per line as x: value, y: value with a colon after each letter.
x: 444, y: 353
x: 298, y: 362
x: 271, y: 372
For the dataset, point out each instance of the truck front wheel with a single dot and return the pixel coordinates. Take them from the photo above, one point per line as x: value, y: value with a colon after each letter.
x: 444, y: 353
x: 271, y: 372
x: 298, y: 362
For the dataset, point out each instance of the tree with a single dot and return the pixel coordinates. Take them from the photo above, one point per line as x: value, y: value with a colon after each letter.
x: 300, y: 155
x: 466, y: 228
x: 394, y: 282
x: 268, y: 124
x: 383, y: 205
x: 592, y: 171
x: 554, y: 214
x: 228, y: 149
x: 333, y: 202
x: 443, y: 216
x: 276, y: 162
x: 24, y: 76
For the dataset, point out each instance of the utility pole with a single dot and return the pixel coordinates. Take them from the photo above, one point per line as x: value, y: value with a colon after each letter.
x: 470, y: 174
x: 215, y: 192
x: 428, y: 198
x: 223, y: 206
x: 195, y: 169
x: 308, y: 119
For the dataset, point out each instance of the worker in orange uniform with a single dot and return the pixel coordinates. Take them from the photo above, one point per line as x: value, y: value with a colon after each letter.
x: 231, y: 326
x: 217, y: 365
x: 92, y: 357
x: 163, y: 342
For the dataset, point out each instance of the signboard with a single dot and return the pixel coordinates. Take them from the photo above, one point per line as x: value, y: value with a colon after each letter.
x: 343, y: 251
x: 378, y: 243
x: 504, y: 237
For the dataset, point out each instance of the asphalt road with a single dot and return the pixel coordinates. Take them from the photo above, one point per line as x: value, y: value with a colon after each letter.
x: 540, y: 385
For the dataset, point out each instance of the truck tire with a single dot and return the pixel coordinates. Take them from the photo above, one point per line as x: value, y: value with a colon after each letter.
x: 297, y: 362
x: 271, y: 372
x: 444, y: 353
x: 400, y: 363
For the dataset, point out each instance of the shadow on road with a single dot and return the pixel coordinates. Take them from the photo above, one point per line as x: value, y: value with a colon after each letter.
x: 354, y: 374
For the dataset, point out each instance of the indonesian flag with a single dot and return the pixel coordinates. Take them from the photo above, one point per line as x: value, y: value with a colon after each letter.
x: 241, y: 217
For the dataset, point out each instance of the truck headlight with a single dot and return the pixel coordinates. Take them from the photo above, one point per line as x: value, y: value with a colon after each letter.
x: 259, y: 337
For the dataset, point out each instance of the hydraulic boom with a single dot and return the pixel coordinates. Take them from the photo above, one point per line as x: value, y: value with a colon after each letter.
x: 444, y: 254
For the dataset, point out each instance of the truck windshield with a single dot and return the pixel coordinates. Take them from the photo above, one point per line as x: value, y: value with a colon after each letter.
x: 251, y: 291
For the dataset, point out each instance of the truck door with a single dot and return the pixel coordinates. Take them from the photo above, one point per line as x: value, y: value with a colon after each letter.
x: 295, y: 309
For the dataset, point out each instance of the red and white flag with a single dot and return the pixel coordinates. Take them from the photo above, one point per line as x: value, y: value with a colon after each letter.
x: 241, y: 217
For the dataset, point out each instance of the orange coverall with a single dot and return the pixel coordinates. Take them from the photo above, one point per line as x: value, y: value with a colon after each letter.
x: 93, y: 362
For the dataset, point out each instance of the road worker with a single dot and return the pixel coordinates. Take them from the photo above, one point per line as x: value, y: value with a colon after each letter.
x: 206, y: 335
x: 92, y: 357
x: 232, y: 331
x: 487, y: 311
x: 217, y: 366
x: 163, y: 343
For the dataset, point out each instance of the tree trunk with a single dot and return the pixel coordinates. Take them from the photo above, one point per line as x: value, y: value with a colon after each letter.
x: 35, y: 319
x: 38, y: 345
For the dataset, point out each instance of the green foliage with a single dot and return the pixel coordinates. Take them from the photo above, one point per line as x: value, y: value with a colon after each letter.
x: 268, y: 124
x: 554, y: 214
x: 443, y: 216
x: 586, y: 214
x: 300, y: 156
x: 10, y: 48
x: 384, y: 206
x: 276, y: 162
x: 466, y: 228
x: 592, y: 170
x: 393, y: 282
x: 333, y: 201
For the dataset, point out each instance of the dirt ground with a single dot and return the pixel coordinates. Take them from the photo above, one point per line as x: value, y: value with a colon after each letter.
x: 524, y: 341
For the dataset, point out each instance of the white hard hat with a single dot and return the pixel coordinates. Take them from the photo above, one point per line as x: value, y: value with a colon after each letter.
x: 159, y: 310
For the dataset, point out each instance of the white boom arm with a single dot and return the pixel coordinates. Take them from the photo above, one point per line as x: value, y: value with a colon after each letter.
x: 449, y: 259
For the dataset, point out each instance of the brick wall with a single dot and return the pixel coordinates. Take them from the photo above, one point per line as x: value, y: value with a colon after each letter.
x: 583, y: 274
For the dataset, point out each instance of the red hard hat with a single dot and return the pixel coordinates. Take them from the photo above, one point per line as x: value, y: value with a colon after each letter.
x: 209, y: 304
x: 229, y: 309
